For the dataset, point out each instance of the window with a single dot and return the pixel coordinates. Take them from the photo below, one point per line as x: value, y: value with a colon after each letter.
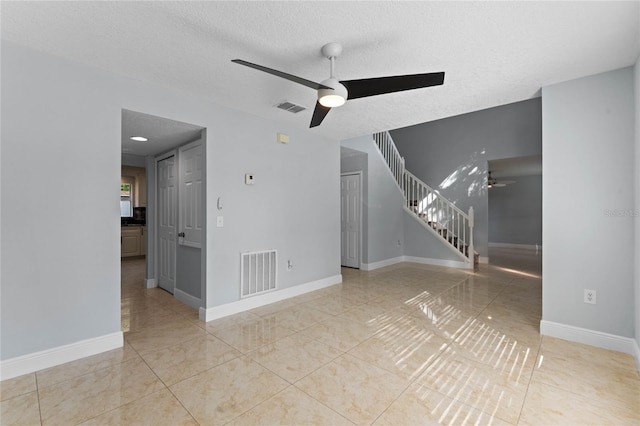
x: 126, y: 199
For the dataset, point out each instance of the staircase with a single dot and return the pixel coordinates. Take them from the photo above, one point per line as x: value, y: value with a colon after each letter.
x: 437, y: 214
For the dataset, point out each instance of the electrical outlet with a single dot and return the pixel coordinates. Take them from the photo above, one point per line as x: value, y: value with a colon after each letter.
x: 590, y: 296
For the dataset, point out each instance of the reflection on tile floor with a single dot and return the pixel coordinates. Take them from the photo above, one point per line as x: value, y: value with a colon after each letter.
x: 406, y: 344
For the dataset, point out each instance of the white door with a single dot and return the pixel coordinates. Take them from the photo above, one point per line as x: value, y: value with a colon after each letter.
x: 167, y: 215
x: 350, y: 219
x: 191, y: 195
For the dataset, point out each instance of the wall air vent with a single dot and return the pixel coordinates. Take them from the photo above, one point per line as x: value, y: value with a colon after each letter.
x: 290, y: 106
x: 258, y: 272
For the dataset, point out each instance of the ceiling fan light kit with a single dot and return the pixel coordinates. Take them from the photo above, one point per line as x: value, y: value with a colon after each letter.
x: 334, y: 97
x: 333, y: 93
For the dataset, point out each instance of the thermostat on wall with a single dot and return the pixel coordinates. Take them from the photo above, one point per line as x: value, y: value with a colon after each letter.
x: 249, y: 179
x: 283, y: 138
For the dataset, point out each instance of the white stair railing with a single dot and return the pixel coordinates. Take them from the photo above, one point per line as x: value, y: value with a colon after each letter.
x: 391, y: 156
x: 439, y: 214
x: 427, y: 205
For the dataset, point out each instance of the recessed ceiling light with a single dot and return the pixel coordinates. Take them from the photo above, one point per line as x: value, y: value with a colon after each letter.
x: 138, y: 138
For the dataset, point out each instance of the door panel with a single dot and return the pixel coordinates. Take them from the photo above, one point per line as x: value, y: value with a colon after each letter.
x: 350, y: 220
x: 192, y: 194
x: 167, y: 211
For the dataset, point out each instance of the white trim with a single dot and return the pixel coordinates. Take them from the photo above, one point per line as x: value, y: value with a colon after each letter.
x: 636, y: 354
x: 209, y: 314
x: 36, y: 361
x: 150, y: 283
x: 414, y: 259
x: 535, y: 247
x: 381, y: 263
x: 599, y: 339
x: 437, y: 262
x: 184, y: 297
x: 483, y: 259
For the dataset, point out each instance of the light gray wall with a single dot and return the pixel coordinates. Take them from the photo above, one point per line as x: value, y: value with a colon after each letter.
x: 451, y: 154
x: 355, y: 163
x: 60, y: 255
x: 383, y: 203
x: 587, y: 177
x: 188, y: 270
x: 515, y: 211
x: 636, y: 75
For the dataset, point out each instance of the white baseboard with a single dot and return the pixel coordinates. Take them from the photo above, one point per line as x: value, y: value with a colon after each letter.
x: 184, y: 297
x: 595, y: 338
x: 517, y: 246
x: 437, y: 262
x: 381, y: 263
x: 150, y: 283
x: 483, y: 259
x: 242, y: 305
x: 414, y: 259
x: 29, y: 363
x: 637, y: 354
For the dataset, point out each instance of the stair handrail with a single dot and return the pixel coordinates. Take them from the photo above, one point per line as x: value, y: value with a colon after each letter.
x: 391, y: 155
x: 439, y: 214
x: 426, y: 204
x: 436, y: 193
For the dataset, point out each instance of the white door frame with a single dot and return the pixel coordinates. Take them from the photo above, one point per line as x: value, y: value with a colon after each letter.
x: 158, y: 158
x: 359, y: 174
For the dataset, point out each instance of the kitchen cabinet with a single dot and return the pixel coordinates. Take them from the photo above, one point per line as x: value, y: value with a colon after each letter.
x: 143, y: 240
x: 131, y: 243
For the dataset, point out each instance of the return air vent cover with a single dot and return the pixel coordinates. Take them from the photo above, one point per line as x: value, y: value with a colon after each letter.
x: 258, y: 272
x: 290, y: 106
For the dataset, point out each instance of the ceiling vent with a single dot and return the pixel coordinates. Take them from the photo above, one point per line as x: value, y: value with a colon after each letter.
x: 290, y: 106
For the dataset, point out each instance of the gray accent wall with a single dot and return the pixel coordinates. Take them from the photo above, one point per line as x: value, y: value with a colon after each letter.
x: 60, y: 255
x: 383, y: 203
x: 588, y: 187
x: 451, y: 154
x: 515, y: 211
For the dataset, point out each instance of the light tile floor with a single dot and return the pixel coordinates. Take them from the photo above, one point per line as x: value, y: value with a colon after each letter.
x: 403, y: 345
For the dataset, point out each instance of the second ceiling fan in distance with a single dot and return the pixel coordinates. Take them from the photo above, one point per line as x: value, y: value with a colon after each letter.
x: 333, y: 92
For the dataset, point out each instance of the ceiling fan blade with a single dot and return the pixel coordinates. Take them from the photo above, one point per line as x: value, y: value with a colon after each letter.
x: 281, y: 74
x: 506, y: 182
x: 319, y: 113
x: 381, y: 85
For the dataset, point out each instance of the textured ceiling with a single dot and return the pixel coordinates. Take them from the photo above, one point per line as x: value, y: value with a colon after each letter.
x: 163, y: 134
x: 493, y: 53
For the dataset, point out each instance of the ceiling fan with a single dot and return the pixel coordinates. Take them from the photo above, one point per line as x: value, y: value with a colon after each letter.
x: 494, y: 183
x: 333, y: 93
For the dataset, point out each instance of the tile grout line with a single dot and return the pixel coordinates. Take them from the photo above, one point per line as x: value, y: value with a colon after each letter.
x: 166, y: 387
x: 526, y: 393
x: 38, y: 395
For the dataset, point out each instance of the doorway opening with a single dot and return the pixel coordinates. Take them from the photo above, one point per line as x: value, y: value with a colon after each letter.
x: 515, y: 214
x: 351, y: 219
x: 149, y: 143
